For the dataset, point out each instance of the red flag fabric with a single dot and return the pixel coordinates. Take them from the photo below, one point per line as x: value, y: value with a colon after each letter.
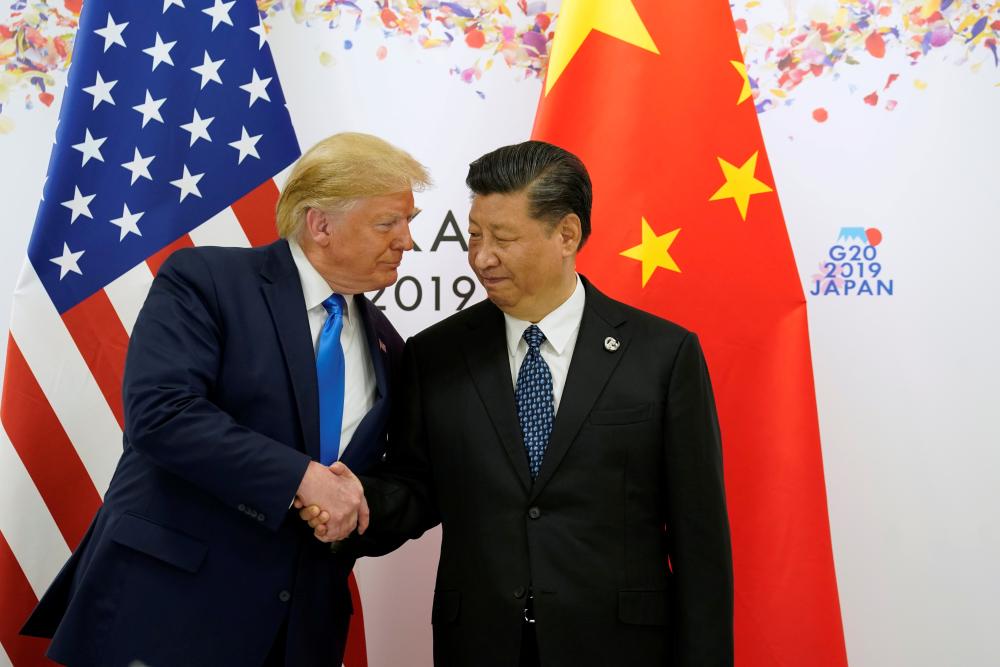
x: 655, y: 99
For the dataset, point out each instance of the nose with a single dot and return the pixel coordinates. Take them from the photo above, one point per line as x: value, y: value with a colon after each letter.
x: 403, y: 240
x: 481, y: 256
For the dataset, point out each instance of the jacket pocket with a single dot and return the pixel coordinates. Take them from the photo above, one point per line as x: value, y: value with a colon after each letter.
x: 169, y: 546
x: 446, y: 606
x: 632, y: 415
x: 643, y: 607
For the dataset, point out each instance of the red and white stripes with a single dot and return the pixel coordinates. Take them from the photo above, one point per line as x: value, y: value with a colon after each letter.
x: 61, y: 416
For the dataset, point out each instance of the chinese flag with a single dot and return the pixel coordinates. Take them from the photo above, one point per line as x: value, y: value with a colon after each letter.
x: 654, y: 98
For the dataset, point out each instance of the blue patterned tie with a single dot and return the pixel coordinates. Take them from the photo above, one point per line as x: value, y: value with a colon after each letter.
x: 533, y: 394
x: 330, y: 376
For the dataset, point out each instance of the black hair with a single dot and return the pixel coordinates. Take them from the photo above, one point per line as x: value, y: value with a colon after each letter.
x: 556, y: 181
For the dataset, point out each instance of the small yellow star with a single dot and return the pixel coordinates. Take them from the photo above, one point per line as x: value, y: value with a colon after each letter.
x: 653, y: 252
x: 747, y: 92
x: 577, y: 18
x: 741, y: 184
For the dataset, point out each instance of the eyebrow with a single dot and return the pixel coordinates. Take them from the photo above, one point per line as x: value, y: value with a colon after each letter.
x: 392, y: 217
x: 502, y: 226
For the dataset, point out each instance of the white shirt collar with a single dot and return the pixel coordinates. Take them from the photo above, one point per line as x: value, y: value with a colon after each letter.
x: 558, y: 326
x: 315, y: 289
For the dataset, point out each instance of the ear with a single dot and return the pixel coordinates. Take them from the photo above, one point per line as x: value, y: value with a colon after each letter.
x: 317, y: 226
x: 569, y: 233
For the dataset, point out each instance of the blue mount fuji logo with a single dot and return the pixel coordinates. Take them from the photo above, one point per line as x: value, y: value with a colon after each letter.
x: 852, y: 266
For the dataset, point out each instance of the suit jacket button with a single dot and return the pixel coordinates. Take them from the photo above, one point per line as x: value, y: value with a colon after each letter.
x: 385, y: 455
x: 534, y: 513
x: 284, y: 596
x: 519, y: 592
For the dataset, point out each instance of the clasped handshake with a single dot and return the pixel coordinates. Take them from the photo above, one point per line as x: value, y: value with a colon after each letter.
x: 332, y: 501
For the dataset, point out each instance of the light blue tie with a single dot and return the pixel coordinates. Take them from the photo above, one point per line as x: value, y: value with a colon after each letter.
x: 330, y: 376
x: 535, y: 405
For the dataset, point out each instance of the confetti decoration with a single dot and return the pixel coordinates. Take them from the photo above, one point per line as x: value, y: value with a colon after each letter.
x: 35, y: 47
x: 832, y: 36
x: 516, y: 34
x: 36, y: 39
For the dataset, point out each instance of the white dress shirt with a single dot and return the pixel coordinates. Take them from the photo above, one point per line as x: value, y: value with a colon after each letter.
x: 359, y: 373
x: 561, y: 328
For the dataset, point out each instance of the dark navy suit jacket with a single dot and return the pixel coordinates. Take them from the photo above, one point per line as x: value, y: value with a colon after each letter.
x: 195, y: 558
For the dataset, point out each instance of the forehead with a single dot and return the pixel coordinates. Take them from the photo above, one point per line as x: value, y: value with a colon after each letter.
x: 399, y: 204
x: 500, y: 209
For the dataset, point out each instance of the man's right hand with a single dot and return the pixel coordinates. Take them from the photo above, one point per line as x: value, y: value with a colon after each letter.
x: 340, y: 497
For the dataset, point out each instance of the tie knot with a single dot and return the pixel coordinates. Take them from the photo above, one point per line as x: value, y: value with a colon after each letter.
x: 334, y: 304
x: 533, y: 336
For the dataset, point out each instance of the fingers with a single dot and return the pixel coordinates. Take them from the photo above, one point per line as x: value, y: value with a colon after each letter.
x: 310, y: 512
x: 297, y: 503
x: 327, y: 528
x: 342, y: 496
x: 335, y: 531
x: 317, y: 520
x: 343, y: 529
x: 341, y: 470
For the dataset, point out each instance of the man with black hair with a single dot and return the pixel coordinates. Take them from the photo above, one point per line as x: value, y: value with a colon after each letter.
x: 568, y: 445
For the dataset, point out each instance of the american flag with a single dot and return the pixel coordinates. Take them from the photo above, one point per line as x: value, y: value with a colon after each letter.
x: 172, y: 128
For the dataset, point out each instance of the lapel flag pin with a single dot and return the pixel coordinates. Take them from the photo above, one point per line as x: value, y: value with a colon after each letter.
x: 611, y: 344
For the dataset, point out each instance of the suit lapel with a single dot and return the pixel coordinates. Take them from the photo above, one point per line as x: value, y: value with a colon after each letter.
x: 283, y: 293
x: 376, y: 345
x: 356, y: 454
x: 589, y: 371
x: 485, y: 352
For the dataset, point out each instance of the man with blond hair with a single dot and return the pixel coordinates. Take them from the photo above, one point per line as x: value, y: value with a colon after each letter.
x: 249, y: 372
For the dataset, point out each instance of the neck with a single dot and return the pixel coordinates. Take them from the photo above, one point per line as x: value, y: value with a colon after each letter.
x: 314, y: 254
x: 557, y: 297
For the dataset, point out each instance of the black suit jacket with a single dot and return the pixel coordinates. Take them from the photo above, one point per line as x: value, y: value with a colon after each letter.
x: 623, y: 537
x: 194, y: 558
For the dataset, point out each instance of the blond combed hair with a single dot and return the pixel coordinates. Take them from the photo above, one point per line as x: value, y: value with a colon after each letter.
x: 342, y: 169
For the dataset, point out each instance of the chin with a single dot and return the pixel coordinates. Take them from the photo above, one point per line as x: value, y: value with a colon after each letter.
x: 380, y: 280
x: 499, y: 300
x: 387, y: 278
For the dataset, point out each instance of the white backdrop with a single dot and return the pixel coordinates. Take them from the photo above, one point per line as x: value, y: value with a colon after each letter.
x: 907, y: 384
x: 412, y: 100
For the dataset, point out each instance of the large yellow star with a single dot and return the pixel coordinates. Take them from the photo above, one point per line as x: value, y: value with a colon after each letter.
x: 653, y: 252
x: 577, y: 18
x: 741, y: 184
x: 747, y: 92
